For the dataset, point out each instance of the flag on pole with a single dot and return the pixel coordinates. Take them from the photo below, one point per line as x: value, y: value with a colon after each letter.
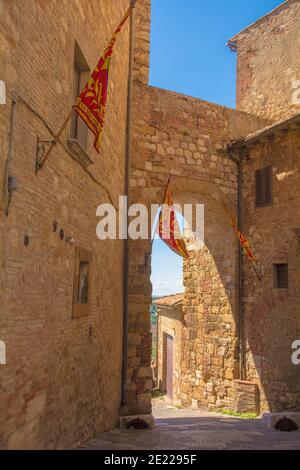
x: 168, y: 227
x: 243, y: 241
x: 246, y: 246
x: 91, y: 103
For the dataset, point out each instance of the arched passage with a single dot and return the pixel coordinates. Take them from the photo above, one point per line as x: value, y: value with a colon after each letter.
x: 209, y: 359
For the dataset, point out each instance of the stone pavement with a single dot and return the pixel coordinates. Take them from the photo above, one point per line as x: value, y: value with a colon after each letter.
x: 194, y: 430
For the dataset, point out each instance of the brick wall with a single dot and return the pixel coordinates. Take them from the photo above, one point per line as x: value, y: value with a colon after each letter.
x: 268, y: 64
x: 62, y: 380
x: 63, y: 377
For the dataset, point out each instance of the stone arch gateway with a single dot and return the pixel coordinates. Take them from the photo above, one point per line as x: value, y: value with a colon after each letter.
x: 184, y: 138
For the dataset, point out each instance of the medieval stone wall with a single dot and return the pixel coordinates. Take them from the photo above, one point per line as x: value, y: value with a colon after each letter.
x: 62, y: 380
x: 182, y: 137
x: 272, y: 321
x: 268, y: 71
x: 210, y: 339
x: 142, y: 22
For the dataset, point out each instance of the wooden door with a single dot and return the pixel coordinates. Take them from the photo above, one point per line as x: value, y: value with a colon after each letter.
x: 169, y: 366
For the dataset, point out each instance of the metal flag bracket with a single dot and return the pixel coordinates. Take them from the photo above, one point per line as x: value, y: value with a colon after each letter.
x: 41, y: 150
x: 45, y: 147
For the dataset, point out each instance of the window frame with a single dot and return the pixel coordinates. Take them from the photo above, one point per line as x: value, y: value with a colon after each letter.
x: 82, y: 71
x: 85, y: 256
x: 76, y: 90
x: 277, y: 284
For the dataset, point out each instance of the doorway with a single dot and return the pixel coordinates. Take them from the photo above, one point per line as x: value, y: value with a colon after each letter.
x: 169, y: 365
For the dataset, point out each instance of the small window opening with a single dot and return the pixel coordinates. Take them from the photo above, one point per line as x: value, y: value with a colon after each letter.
x: 264, y: 187
x: 281, y: 279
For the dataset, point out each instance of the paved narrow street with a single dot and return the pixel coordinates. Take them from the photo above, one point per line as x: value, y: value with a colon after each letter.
x: 194, y: 430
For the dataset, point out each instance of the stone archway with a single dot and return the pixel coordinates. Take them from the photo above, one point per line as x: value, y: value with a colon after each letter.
x: 183, y: 137
x: 209, y: 360
x: 209, y: 342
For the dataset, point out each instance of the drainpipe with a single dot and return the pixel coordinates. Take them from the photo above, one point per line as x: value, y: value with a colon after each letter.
x: 10, y: 181
x: 242, y: 349
x: 126, y: 193
x: 242, y: 359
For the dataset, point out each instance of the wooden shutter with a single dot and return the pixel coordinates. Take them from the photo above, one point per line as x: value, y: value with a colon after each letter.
x: 169, y: 365
x: 281, y: 276
x: 263, y: 187
x: 259, y: 188
x: 267, y: 178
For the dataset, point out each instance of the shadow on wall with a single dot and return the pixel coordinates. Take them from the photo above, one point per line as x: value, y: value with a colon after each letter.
x: 209, y: 342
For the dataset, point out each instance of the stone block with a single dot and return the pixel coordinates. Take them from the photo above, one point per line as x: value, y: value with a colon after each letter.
x: 246, y: 397
x: 194, y: 404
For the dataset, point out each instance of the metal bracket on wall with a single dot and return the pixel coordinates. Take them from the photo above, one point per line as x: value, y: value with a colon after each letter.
x: 41, y: 149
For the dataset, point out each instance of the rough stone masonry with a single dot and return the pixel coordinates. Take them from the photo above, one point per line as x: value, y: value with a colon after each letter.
x: 184, y: 137
x: 62, y: 381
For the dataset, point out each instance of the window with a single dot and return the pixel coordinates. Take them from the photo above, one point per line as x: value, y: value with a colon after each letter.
x: 83, y: 283
x: 281, y: 276
x: 81, y: 74
x: 263, y: 187
x: 81, y: 289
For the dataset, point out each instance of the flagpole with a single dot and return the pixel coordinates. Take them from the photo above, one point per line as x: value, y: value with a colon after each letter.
x: 164, y: 197
x: 254, y: 265
x: 257, y: 271
x: 42, y: 161
x: 168, y: 182
x: 148, y: 255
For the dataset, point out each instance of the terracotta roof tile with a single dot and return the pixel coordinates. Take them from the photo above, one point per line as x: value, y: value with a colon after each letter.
x: 169, y: 300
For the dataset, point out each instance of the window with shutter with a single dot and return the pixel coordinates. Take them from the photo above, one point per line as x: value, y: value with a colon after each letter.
x: 263, y: 186
x: 81, y: 74
x: 281, y: 276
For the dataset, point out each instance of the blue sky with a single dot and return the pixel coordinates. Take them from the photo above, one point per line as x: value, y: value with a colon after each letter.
x: 188, y: 55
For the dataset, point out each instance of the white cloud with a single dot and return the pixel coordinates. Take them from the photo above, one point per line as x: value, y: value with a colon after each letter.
x: 164, y: 288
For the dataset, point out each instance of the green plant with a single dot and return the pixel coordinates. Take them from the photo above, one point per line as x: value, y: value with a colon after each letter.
x: 237, y: 414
